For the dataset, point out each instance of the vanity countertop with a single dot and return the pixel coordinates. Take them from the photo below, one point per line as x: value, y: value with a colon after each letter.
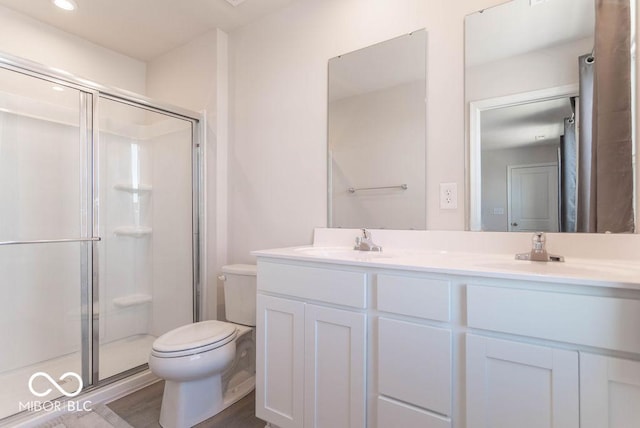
x: 580, y: 271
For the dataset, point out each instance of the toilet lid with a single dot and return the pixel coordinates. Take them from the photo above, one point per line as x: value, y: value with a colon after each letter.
x: 195, y: 335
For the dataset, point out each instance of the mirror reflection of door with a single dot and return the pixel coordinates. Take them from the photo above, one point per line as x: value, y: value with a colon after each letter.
x: 526, y: 134
x: 525, y: 50
x: 533, y: 198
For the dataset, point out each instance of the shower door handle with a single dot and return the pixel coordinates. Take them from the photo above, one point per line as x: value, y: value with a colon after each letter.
x: 51, y: 241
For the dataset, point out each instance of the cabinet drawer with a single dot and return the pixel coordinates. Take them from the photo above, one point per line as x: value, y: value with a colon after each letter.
x: 414, y: 364
x: 603, y: 322
x: 392, y: 414
x: 324, y: 285
x: 418, y: 297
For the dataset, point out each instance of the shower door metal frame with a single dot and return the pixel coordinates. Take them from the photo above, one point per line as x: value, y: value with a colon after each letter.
x: 196, y: 182
x: 88, y: 129
x: 90, y: 229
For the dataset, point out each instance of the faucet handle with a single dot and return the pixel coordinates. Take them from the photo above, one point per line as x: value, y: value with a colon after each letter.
x: 538, y: 241
x: 365, y: 243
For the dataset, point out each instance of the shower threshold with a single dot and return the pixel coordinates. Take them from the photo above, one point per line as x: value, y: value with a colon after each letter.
x: 115, y: 357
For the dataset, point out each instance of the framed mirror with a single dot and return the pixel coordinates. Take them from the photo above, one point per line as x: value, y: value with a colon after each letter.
x: 377, y: 135
x: 549, y: 88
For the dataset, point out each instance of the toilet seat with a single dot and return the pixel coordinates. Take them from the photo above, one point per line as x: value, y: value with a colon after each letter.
x: 193, y: 339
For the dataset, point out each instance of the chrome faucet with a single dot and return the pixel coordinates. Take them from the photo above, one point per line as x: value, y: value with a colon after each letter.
x: 365, y: 242
x: 538, y: 251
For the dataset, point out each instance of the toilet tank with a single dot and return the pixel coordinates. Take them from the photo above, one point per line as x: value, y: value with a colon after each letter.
x: 240, y: 293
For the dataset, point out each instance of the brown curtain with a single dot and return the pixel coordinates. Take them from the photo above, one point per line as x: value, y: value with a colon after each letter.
x: 612, y: 143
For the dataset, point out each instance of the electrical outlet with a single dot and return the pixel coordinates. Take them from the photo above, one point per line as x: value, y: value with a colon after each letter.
x: 448, y: 196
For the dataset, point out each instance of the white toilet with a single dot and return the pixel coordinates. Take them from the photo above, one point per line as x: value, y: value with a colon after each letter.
x: 209, y: 365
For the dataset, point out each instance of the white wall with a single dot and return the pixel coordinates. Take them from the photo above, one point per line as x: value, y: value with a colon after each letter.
x: 30, y: 39
x: 194, y: 76
x: 548, y: 68
x: 185, y: 76
x: 378, y: 139
x: 277, y: 161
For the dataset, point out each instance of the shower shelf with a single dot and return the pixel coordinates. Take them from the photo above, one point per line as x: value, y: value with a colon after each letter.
x: 133, y: 231
x: 131, y: 300
x: 140, y: 188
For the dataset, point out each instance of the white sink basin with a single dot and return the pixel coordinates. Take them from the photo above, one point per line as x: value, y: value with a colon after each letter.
x: 570, y: 268
x: 341, y: 253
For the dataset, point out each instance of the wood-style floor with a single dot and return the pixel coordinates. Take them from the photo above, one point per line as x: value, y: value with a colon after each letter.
x: 142, y: 410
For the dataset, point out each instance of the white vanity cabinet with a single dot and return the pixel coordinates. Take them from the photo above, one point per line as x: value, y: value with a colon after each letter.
x: 280, y: 361
x: 513, y: 384
x: 335, y: 365
x: 414, y: 356
x: 352, y: 344
x: 609, y: 392
x: 310, y: 359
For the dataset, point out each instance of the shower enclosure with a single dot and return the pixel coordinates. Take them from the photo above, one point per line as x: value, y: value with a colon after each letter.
x: 98, y: 231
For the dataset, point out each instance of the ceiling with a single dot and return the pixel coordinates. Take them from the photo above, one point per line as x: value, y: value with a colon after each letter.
x: 534, y: 123
x: 144, y: 29
x: 516, y: 27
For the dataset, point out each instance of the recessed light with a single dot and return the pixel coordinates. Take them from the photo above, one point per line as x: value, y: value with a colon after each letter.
x: 66, y: 4
x: 57, y: 88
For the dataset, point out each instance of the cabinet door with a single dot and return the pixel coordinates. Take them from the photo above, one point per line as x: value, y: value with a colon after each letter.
x: 335, y: 368
x: 511, y: 384
x: 280, y: 361
x: 609, y: 391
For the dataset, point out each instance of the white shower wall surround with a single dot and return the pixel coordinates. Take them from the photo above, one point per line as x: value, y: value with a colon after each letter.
x: 41, y: 144
x: 143, y: 190
x: 127, y: 262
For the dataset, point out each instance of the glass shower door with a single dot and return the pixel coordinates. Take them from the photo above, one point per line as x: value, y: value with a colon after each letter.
x: 98, y: 234
x: 146, y: 271
x: 45, y: 232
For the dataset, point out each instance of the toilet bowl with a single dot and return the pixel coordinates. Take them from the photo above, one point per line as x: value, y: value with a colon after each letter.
x: 203, y: 373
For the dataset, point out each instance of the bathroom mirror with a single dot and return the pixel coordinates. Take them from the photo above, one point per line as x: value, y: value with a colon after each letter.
x: 546, y: 150
x: 377, y: 135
